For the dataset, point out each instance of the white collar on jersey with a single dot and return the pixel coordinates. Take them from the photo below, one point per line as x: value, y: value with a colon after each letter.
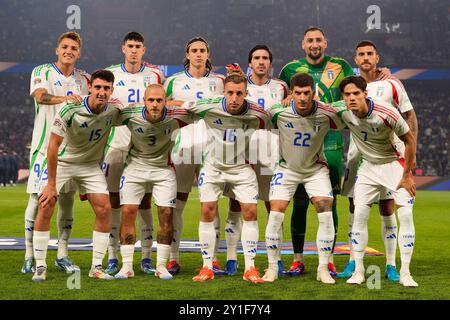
x: 251, y: 82
x: 86, y: 105
x: 122, y: 66
x: 59, y: 71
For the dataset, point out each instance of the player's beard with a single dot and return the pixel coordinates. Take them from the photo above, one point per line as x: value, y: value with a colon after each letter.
x: 315, y: 56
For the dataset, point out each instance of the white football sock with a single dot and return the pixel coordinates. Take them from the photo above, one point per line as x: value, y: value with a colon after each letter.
x: 127, y: 252
x: 351, y: 217
x: 40, y: 246
x: 65, y: 222
x: 406, y: 236
x: 325, y: 236
x: 233, y: 233
x: 113, y: 242
x: 217, y: 229
x: 274, y: 224
x: 360, y: 235
x: 249, y: 239
x: 389, y: 234
x: 177, y: 230
x: 162, y: 254
x: 207, y: 238
x: 146, y: 232
x: 30, y: 217
x: 100, y: 245
x: 280, y: 242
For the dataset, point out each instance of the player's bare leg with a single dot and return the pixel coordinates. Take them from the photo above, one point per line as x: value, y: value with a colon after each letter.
x: 100, y: 236
x: 127, y: 240
x: 164, y: 239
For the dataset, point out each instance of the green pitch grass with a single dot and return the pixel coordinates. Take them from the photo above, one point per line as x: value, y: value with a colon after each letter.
x: 429, y: 265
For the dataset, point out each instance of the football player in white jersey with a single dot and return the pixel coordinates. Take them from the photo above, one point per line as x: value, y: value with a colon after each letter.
x: 387, y: 92
x: 195, y: 82
x: 302, y: 129
x: 77, y: 141
x: 153, y: 130
x: 383, y: 169
x: 230, y: 120
x: 265, y: 91
x: 131, y: 79
x: 52, y: 85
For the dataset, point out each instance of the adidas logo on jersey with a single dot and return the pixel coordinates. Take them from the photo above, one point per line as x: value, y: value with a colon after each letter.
x: 84, y: 125
x: 218, y: 121
x: 58, y: 83
x: 289, y: 125
x: 120, y: 83
x: 186, y: 87
x: 139, y: 130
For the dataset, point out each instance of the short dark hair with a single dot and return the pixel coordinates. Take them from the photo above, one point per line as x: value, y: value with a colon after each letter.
x: 365, y: 43
x: 313, y: 28
x: 133, y: 35
x: 236, y: 78
x: 188, y: 44
x: 103, y: 74
x: 71, y: 35
x: 259, y: 47
x: 302, y: 80
x: 356, y: 80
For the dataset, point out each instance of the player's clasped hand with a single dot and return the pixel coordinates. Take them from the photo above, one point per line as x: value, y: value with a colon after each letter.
x: 408, y: 184
x: 74, y: 98
x: 47, y: 196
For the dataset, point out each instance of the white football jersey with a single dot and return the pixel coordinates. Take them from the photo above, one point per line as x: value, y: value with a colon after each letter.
x: 228, y: 135
x: 151, y: 143
x: 390, y: 92
x: 373, y: 135
x: 85, y: 133
x: 129, y: 89
x: 301, y: 138
x: 267, y: 95
x: 183, y: 86
x: 49, y: 77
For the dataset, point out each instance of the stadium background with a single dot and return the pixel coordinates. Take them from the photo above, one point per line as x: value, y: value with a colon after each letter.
x: 413, y: 39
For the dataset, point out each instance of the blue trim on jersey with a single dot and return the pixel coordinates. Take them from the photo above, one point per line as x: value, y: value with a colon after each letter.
x: 124, y: 69
x: 86, y: 105
x: 59, y: 71
x: 313, y: 110
x: 370, y: 107
x: 189, y: 75
x: 144, y: 113
x: 224, y: 105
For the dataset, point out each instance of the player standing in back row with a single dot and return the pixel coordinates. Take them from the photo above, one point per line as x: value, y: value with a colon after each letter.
x: 131, y: 79
x: 195, y: 82
x: 52, y: 85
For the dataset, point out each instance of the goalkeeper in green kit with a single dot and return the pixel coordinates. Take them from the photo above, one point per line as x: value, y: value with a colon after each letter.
x: 328, y: 73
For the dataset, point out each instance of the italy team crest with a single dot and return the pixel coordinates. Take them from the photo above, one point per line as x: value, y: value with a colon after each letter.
x: 316, y: 126
x: 212, y: 86
x: 147, y: 80
x: 380, y: 91
x: 330, y: 74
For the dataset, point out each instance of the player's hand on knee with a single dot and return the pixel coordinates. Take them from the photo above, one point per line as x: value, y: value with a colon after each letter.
x: 48, y: 196
x: 408, y: 184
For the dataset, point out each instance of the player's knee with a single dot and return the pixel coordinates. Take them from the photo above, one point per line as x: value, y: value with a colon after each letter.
x: 249, y: 213
x: 323, y: 204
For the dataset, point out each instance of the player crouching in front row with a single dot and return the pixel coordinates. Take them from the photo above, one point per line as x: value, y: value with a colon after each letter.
x: 302, y: 128
x: 79, y: 131
x: 147, y: 169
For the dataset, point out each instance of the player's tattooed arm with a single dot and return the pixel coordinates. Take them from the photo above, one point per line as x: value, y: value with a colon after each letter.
x: 43, y: 97
x: 50, y: 194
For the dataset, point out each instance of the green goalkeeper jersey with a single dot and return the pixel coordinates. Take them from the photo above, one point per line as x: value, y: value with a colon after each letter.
x: 327, y: 75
